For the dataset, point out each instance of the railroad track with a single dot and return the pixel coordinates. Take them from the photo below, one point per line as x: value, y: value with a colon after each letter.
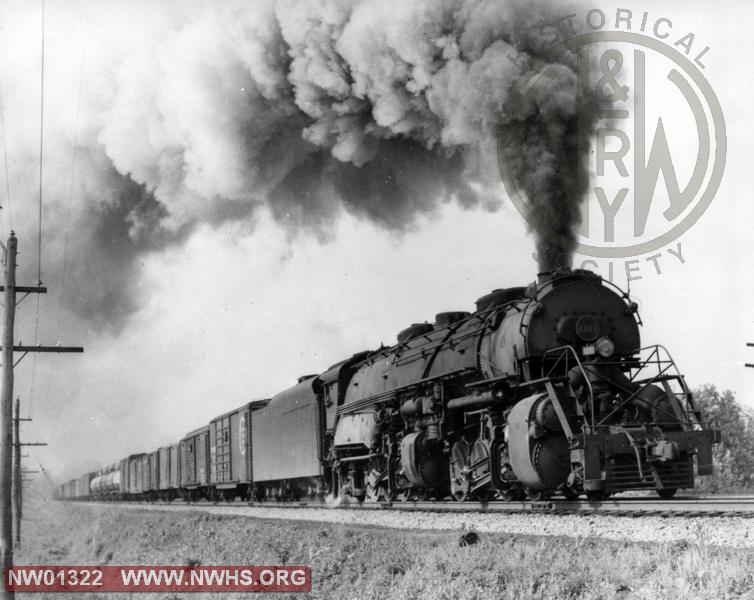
x: 683, y: 506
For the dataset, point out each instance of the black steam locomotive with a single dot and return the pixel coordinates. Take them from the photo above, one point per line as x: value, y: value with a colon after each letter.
x: 542, y: 390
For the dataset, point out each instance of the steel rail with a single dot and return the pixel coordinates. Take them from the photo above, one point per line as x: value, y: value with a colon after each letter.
x: 687, y: 506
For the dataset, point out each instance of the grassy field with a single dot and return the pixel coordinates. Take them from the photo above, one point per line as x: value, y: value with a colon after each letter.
x: 357, y: 562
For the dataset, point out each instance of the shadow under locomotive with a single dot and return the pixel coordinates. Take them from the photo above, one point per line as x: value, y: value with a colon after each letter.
x: 542, y: 390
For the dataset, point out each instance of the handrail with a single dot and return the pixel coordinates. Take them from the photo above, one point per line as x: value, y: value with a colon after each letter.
x: 565, y: 351
x: 664, y: 365
x: 655, y: 356
x: 624, y: 296
x: 669, y: 359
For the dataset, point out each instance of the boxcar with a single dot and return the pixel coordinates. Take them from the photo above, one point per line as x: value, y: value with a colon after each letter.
x: 195, y: 463
x: 69, y: 491
x: 153, y: 484
x: 163, y: 455
x: 169, y: 480
x: 135, y: 482
x: 286, y: 442
x: 145, y: 474
x: 123, y: 468
x: 175, y: 466
x: 83, y: 485
x: 230, y: 451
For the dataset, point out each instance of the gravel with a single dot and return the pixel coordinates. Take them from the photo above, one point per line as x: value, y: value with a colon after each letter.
x: 732, y: 532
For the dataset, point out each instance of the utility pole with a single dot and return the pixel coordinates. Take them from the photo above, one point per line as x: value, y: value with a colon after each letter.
x: 6, y: 410
x: 18, y: 481
x: 6, y: 400
x: 17, y: 469
x: 18, y: 488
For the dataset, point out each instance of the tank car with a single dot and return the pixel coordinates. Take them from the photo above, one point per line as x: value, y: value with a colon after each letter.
x: 106, y: 484
x: 542, y: 389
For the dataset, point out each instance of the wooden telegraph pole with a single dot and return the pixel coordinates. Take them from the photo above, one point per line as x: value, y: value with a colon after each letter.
x: 18, y: 472
x: 17, y: 469
x: 6, y: 401
x: 6, y: 410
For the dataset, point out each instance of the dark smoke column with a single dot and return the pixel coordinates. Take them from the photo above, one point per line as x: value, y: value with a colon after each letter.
x: 543, y: 152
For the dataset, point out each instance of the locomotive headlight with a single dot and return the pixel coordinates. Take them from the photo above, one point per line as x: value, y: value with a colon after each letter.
x: 605, y: 347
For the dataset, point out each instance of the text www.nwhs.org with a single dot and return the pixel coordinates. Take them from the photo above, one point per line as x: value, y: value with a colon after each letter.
x: 158, y: 579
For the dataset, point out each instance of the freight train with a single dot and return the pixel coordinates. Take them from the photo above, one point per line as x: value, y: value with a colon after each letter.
x: 541, y: 390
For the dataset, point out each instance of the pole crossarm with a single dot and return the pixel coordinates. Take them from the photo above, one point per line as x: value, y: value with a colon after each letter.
x: 28, y: 289
x: 55, y: 349
x: 30, y: 444
x: 46, y: 348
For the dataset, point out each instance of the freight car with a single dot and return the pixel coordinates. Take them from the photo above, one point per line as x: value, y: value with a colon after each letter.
x: 195, y: 464
x: 231, y: 466
x: 542, y: 390
x: 169, y: 472
x: 105, y: 485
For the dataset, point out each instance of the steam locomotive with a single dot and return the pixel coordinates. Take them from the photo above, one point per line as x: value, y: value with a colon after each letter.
x: 541, y: 390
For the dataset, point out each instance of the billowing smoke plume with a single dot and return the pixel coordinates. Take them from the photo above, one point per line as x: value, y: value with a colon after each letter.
x: 544, y: 144
x: 385, y: 109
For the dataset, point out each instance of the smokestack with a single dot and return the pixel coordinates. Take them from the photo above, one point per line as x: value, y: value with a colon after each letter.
x: 547, y: 269
x: 548, y: 265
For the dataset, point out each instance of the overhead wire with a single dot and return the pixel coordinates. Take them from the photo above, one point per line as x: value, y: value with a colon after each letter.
x: 41, y: 150
x: 7, y: 170
x: 46, y: 474
x: 39, y: 212
x: 72, y: 178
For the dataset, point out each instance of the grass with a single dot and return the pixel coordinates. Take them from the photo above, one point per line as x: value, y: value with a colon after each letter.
x: 557, y: 568
x: 372, y: 563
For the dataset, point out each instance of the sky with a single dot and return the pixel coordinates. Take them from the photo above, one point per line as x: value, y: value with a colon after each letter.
x: 235, y: 194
